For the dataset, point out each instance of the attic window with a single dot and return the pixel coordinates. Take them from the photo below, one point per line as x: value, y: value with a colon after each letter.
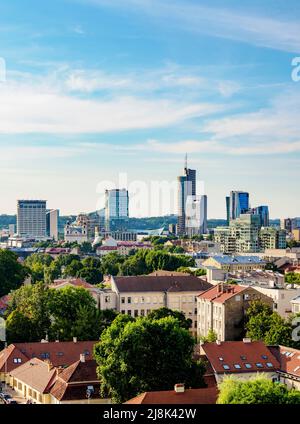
x: 259, y: 365
x: 264, y: 356
x: 269, y: 364
x: 237, y: 366
x: 60, y: 353
x: 248, y: 366
x: 226, y: 367
x: 17, y: 360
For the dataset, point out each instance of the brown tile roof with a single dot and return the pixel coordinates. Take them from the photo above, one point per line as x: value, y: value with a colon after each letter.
x: 71, y: 383
x: 288, y: 358
x: 162, y: 272
x: 160, y: 283
x: 77, y: 282
x: 59, y: 353
x: 36, y: 374
x: 190, y: 396
x: 239, y: 357
x: 214, y: 294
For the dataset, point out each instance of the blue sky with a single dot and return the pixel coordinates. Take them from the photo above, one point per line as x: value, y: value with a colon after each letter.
x: 98, y: 87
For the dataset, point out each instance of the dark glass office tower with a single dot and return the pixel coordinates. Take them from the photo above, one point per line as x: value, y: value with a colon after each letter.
x: 186, y: 187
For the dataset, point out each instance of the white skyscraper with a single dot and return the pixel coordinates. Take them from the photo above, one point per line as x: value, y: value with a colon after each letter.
x: 31, y: 219
x: 196, y: 215
x: 52, y: 223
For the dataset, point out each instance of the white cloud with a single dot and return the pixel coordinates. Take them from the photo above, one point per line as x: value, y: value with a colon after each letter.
x: 224, y: 23
x: 43, y: 109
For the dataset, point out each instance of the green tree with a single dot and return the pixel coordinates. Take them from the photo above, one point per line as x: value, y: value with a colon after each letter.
x: 165, y: 312
x: 257, y: 390
x: 20, y: 328
x: 292, y: 278
x: 110, y: 264
x: 73, y: 269
x: 144, y: 355
x: 12, y: 273
x: 210, y: 338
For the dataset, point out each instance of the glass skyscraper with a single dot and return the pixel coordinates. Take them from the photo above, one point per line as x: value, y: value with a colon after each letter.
x: 237, y: 204
x: 186, y: 187
x: 116, y: 209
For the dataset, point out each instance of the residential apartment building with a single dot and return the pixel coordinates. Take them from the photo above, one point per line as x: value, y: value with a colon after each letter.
x: 137, y: 296
x: 271, y: 238
x: 289, y: 365
x: 223, y: 308
x: 31, y: 219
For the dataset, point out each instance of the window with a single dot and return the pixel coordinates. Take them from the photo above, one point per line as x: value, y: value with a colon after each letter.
x: 123, y: 312
x: 226, y: 367
x: 246, y: 296
x: 248, y: 366
x: 45, y: 355
x: 136, y: 313
x: 237, y: 366
x: 86, y: 352
x: 129, y: 312
x: 269, y: 364
x: 107, y: 299
x: 17, y: 360
x: 142, y: 312
x: 259, y: 365
x: 221, y: 359
x: 142, y: 300
x: 243, y: 357
x: 195, y: 311
x: 122, y: 299
x: 195, y: 324
x: 59, y: 353
x: 238, y: 298
x: 128, y: 299
x: 264, y: 356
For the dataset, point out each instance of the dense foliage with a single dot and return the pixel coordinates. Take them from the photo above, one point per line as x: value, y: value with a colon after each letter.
x: 145, y: 354
x: 264, y: 324
x: 257, y: 390
x: 36, y: 312
x: 12, y: 273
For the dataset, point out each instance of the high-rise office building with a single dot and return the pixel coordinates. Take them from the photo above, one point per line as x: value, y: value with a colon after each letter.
x: 263, y: 213
x: 237, y: 204
x: 196, y: 215
x: 116, y: 209
x: 186, y: 187
x: 31, y: 219
x: 228, y: 209
x: 52, y: 223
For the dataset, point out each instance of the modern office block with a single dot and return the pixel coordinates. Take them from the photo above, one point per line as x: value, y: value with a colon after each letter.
x: 31, y: 219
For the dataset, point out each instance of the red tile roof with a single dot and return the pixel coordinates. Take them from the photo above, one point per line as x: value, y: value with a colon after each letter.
x: 71, y: 383
x: 289, y: 359
x: 216, y: 295
x: 189, y: 396
x: 240, y: 357
x: 59, y: 353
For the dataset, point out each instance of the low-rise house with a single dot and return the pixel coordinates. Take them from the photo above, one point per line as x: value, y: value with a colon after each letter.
x: 137, y: 296
x: 243, y: 359
x: 180, y: 395
x: 289, y: 365
x: 60, y: 354
x: 222, y: 309
x: 105, y: 250
x: 235, y: 263
x: 40, y: 382
x: 282, y: 298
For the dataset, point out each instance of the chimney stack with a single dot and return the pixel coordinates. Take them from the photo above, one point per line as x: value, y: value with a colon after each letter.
x: 74, y: 339
x: 218, y: 342
x: 179, y: 388
x: 82, y: 357
x: 246, y: 340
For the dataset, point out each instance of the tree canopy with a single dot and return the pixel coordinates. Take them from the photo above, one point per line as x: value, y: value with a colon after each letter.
x: 257, y: 390
x: 12, y: 273
x: 145, y: 354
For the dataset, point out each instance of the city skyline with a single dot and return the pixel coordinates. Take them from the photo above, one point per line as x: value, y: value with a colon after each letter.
x: 94, y: 89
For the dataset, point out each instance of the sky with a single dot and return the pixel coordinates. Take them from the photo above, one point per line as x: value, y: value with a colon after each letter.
x: 98, y: 94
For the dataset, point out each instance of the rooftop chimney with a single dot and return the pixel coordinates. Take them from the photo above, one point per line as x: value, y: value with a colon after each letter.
x: 75, y: 339
x: 82, y: 357
x: 179, y: 388
x: 246, y: 340
x: 218, y: 342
